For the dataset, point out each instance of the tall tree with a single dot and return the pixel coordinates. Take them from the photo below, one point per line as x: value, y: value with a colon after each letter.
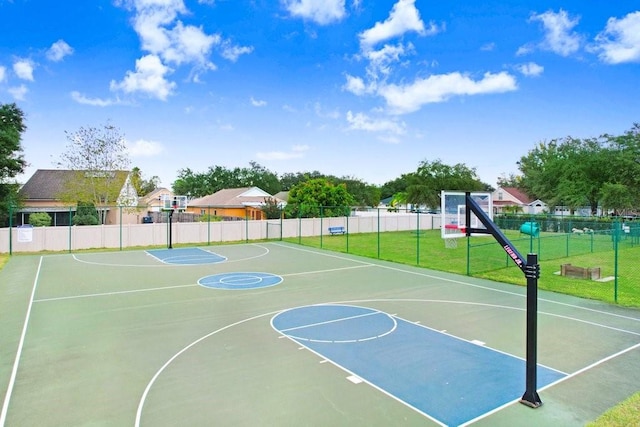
x: 289, y: 180
x: 12, y: 162
x: 424, y: 186
x: 143, y: 186
x: 570, y: 171
x: 99, y: 157
x: 220, y: 177
x: 319, y: 197
x: 363, y: 194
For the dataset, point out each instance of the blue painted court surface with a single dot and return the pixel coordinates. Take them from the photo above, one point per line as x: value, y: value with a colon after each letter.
x: 186, y: 256
x: 240, y: 280
x: 450, y: 380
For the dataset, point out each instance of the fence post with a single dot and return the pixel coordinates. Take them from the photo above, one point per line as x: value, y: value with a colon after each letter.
x: 378, y: 233
x: 616, y: 236
x: 208, y: 225
x: 417, y: 238
x: 321, y: 232
x: 10, y: 228
x: 70, y: 227
x: 120, y: 211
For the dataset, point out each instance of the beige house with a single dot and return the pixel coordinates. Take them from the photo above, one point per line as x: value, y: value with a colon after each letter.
x: 508, y: 199
x: 236, y: 203
x: 43, y: 193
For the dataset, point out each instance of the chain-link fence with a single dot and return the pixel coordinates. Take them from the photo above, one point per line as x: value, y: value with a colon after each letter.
x: 590, y: 257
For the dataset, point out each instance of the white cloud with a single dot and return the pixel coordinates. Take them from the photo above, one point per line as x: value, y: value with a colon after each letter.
x: 404, y: 17
x: 97, y: 102
x: 19, y: 93
x: 58, y: 51
x: 232, y: 53
x: 381, y: 61
x: 3, y: 74
x: 559, y: 37
x: 530, y: 69
x: 361, y: 121
x: 619, y: 42
x: 188, y: 44
x: 148, y: 78
x: 297, y: 151
x: 24, y: 69
x: 144, y: 148
x: 320, y: 11
x: 258, y: 102
x: 439, y: 88
x: 355, y: 85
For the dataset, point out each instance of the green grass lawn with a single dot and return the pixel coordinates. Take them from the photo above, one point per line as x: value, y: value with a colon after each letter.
x: 483, y: 257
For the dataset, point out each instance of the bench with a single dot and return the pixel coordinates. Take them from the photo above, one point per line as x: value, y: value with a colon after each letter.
x: 336, y: 230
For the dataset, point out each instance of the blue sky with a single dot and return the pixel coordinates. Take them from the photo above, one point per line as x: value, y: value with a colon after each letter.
x: 358, y: 88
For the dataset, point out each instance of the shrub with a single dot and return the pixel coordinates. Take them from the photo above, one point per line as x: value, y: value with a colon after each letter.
x: 40, y: 219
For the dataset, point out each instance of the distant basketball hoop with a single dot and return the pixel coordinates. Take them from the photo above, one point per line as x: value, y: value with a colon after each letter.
x: 172, y: 204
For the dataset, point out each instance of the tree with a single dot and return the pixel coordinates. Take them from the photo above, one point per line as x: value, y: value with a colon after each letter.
x: 143, y: 186
x: 219, y: 177
x: 319, y: 197
x: 424, y: 186
x: 271, y: 208
x: 509, y: 181
x: 616, y: 197
x: 570, y: 171
x: 12, y: 162
x: 398, y: 185
x: 99, y: 157
x: 363, y: 194
x: 289, y: 180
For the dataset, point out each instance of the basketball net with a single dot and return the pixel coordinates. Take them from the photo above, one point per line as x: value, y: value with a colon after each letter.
x: 451, y: 243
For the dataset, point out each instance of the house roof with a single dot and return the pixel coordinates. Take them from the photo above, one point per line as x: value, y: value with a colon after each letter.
x: 234, y: 198
x: 518, y: 195
x: 154, y: 196
x: 47, y: 184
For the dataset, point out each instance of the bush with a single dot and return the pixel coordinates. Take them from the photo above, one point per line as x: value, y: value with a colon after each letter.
x: 40, y: 219
x: 209, y: 218
x: 86, y: 214
x: 85, y: 220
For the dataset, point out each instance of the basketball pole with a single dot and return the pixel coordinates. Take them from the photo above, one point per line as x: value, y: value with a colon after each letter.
x: 531, y: 270
x: 170, y: 243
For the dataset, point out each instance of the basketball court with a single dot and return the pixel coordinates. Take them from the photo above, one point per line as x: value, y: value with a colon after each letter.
x: 277, y: 334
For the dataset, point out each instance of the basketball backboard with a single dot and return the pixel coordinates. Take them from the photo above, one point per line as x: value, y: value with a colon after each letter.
x: 453, y: 212
x: 174, y: 203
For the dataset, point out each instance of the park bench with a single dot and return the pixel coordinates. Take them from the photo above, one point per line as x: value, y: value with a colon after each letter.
x: 336, y: 230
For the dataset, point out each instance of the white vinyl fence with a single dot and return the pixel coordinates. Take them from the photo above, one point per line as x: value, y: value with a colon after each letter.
x: 71, y: 238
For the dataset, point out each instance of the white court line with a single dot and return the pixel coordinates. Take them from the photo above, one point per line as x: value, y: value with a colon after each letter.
x: 444, y: 279
x: 576, y: 373
x: 14, y: 371
x: 133, y: 291
x: 107, y: 294
x: 175, y: 356
x: 164, y: 265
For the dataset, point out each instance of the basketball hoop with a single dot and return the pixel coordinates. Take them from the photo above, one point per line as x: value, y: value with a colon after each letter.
x: 451, y: 243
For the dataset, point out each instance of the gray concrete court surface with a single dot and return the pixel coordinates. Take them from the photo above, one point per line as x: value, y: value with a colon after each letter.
x: 131, y: 338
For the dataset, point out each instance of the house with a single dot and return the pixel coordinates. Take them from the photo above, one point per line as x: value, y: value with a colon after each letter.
x: 46, y: 189
x: 152, y: 202
x: 511, y: 199
x: 233, y: 203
